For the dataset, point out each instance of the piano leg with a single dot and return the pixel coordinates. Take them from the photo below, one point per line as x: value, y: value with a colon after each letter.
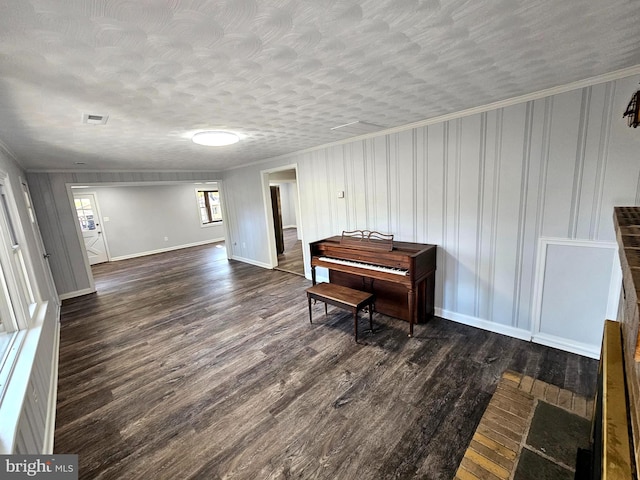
x: 355, y: 323
x: 310, y: 320
x: 411, y: 299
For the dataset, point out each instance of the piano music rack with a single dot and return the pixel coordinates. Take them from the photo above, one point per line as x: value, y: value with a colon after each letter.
x: 373, y: 240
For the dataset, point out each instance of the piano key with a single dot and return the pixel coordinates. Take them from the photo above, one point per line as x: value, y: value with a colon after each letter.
x: 368, y: 266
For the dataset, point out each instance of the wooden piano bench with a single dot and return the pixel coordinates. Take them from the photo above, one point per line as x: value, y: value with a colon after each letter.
x: 342, y: 297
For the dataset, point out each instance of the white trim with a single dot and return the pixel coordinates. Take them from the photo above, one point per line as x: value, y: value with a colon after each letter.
x: 225, y: 215
x: 252, y: 262
x: 536, y: 308
x: 584, y: 349
x: 77, y: 293
x: 200, y: 187
x: 16, y: 392
x: 12, y: 353
x: 268, y: 210
x: 212, y: 224
x: 83, y: 249
x: 484, y: 324
x: 9, y: 153
x: 615, y: 288
x: 168, y: 249
x: 50, y: 425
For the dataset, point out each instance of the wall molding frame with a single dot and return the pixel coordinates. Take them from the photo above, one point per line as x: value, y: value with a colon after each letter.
x: 614, y: 283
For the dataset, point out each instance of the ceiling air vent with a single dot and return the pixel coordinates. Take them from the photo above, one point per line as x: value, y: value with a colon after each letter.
x: 93, y: 119
x: 357, y: 128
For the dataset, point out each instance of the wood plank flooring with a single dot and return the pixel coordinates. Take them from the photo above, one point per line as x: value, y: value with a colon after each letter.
x: 186, y: 365
x: 291, y: 260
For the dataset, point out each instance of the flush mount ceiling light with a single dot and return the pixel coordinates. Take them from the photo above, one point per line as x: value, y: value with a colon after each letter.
x: 215, y: 138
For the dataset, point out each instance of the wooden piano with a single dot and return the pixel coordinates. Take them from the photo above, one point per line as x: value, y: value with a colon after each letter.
x: 400, y: 274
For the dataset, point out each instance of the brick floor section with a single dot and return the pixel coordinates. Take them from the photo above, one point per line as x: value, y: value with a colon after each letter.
x: 495, y: 447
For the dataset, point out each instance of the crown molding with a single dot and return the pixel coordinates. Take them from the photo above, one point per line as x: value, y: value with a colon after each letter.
x: 548, y: 92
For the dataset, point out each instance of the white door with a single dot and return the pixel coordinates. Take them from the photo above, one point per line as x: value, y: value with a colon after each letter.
x: 87, y: 211
x: 52, y: 293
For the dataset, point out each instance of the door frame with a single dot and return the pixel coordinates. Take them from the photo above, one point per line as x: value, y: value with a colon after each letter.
x: 268, y: 214
x: 71, y: 188
x: 90, y: 187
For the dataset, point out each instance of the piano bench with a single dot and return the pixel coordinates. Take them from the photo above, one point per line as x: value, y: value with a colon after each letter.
x: 342, y: 297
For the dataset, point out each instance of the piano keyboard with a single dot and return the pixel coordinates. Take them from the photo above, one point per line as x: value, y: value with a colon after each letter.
x: 396, y: 271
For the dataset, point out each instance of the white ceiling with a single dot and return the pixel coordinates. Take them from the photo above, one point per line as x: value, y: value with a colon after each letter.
x: 282, y: 73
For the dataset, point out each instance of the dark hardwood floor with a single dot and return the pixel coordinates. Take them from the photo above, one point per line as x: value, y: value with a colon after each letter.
x: 186, y: 365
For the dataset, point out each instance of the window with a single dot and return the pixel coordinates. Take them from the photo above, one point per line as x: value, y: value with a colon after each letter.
x: 17, y: 298
x: 209, y: 206
x: 16, y: 260
x: 85, y: 214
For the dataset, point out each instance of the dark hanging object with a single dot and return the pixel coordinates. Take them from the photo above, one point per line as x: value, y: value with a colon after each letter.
x: 633, y: 111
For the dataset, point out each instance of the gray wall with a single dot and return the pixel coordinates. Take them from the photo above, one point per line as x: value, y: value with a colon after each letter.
x: 57, y: 218
x: 485, y: 188
x: 141, y: 217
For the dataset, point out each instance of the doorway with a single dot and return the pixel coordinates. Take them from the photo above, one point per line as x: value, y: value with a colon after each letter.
x: 283, y: 212
x: 86, y: 206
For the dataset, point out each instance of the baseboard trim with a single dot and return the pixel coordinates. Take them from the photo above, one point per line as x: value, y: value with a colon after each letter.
x: 50, y: 426
x: 484, y: 324
x: 163, y: 250
x: 584, y: 349
x: 77, y: 293
x: 251, y: 262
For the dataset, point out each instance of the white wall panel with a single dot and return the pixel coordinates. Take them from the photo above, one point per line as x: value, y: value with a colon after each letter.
x: 379, y: 198
x: 337, y: 168
x: 467, y: 225
x: 623, y: 161
x: 561, y: 169
x: 402, y: 156
x: 568, y: 317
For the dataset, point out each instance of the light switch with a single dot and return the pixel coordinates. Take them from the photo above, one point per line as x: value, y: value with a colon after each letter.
x: 105, y: 219
x: 340, y: 194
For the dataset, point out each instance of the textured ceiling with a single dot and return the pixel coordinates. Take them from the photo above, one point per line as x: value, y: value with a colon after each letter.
x: 282, y: 73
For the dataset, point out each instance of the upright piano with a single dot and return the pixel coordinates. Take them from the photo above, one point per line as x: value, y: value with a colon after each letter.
x: 402, y: 275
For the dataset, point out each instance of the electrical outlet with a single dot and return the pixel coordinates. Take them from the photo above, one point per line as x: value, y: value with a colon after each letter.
x: 166, y: 239
x: 244, y: 245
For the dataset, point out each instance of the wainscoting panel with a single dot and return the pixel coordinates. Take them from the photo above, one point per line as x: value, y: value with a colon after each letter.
x: 577, y: 288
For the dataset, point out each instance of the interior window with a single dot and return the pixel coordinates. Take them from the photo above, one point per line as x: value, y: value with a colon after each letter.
x: 209, y: 206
